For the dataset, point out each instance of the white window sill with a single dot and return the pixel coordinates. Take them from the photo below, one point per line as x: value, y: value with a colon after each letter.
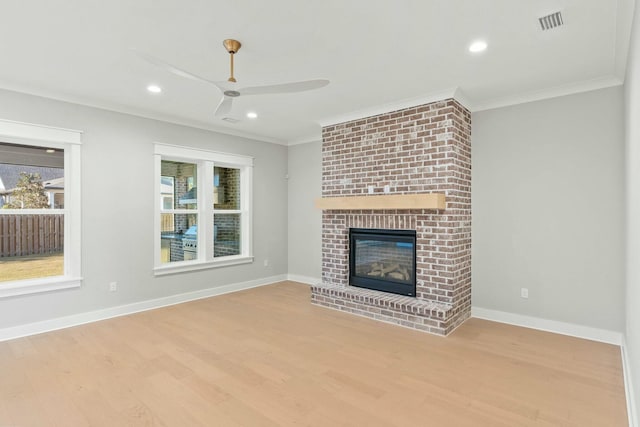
x: 184, y: 266
x: 32, y: 286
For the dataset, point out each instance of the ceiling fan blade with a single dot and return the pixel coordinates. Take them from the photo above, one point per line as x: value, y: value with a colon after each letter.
x: 285, y: 87
x: 172, y: 69
x: 224, y: 107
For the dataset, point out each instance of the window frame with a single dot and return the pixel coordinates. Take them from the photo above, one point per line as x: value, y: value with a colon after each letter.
x: 70, y: 141
x: 205, y: 161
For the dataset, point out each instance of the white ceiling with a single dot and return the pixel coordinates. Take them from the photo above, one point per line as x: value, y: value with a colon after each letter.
x: 378, y: 54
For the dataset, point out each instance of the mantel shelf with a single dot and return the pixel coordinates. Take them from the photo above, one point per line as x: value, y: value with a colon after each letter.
x: 382, y: 202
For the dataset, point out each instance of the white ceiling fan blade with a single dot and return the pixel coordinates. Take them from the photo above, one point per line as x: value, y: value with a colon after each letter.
x: 172, y: 69
x: 285, y: 87
x: 224, y: 107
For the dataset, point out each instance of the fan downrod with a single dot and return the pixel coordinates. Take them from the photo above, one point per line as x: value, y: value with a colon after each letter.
x: 232, y: 47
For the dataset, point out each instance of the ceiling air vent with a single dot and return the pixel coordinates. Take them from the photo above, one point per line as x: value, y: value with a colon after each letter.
x: 551, y: 21
x: 230, y: 120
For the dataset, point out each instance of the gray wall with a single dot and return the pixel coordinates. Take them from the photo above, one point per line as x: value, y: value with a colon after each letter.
x: 632, y: 127
x: 305, y: 221
x: 548, y: 209
x: 118, y: 209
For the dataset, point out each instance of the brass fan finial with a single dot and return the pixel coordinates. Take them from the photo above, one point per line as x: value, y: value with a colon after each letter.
x: 232, y: 47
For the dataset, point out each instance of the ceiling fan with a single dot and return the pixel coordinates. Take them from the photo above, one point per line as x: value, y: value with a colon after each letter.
x: 230, y: 88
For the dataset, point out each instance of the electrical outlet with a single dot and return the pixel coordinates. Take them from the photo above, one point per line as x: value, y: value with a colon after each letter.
x: 524, y: 293
x: 266, y: 262
x: 113, y: 286
x: 387, y: 189
x: 370, y: 189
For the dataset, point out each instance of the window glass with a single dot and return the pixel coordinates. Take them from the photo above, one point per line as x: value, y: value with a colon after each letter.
x: 178, y: 230
x: 177, y: 181
x: 167, y: 202
x: 226, y: 235
x: 178, y: 237
x: 31, y: 215
x: 167, y: 190
x: 226, y: 188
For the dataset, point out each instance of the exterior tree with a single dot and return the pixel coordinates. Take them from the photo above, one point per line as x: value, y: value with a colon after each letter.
x: 29, y: 193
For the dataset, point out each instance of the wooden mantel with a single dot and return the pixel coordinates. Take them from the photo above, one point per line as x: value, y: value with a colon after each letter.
x: 385, y: 201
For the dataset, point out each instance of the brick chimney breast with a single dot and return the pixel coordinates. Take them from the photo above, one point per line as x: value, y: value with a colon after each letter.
x: 423, y: 149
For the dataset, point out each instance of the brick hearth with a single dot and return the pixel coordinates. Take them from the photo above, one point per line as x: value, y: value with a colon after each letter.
x: 423, y: 149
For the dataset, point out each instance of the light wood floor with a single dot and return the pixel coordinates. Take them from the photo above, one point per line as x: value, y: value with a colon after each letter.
x: 267, y: 357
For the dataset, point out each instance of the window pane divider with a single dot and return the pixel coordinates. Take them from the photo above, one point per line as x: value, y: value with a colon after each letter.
x: 179, y: 211
x: 207, y: 214
x: 227, y: 211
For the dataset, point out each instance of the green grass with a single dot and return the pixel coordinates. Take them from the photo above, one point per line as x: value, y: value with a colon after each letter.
x: 31, y: 267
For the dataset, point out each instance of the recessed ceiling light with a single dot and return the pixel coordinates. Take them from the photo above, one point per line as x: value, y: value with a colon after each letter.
x: 478, y: 46
x: 252, y: 115
x: 50, y: 150
x: 154, y: 88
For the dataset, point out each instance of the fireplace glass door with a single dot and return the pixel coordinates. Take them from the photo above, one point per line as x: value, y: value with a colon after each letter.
x: 383, y: 260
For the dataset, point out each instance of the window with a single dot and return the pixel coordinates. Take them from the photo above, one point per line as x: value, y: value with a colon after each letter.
x: 204, y: 209
x: 39, y: 209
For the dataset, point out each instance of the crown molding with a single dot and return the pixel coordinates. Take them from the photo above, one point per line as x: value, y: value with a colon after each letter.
x: 462, y: 98
x: 306, y: 140
x: 554, y: 92
x: 123, y: 109
x: 455, y: 93
x: 389, y: 107
x: 624, y: 22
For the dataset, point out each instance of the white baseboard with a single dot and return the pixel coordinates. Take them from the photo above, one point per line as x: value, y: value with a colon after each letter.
x: 579, y: 331
x: 304, y: 279
x: 122, y: 310
x: 632, y: 411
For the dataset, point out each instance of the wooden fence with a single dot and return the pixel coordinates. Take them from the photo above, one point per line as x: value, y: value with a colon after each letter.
x: 22, y: 235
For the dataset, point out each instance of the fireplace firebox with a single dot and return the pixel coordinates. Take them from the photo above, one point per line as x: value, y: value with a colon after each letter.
x: 383, y: 260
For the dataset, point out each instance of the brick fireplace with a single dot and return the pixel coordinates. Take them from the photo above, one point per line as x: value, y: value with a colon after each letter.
x: 418, y: 150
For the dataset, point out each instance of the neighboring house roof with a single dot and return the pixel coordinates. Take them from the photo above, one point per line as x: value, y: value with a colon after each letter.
x: 10, y: 175
x: 54, y: 184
